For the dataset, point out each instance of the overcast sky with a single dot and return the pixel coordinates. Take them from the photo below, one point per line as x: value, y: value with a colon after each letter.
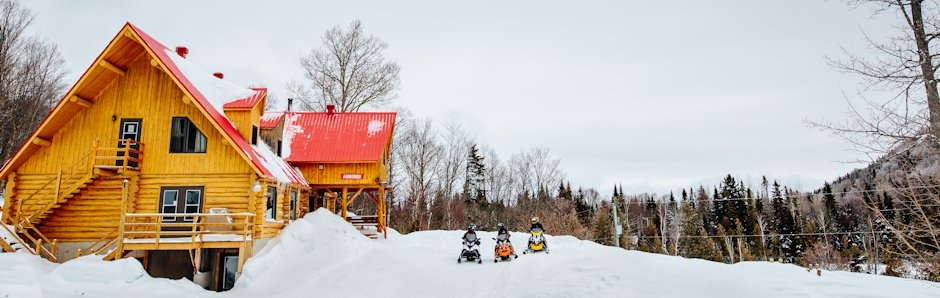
x: 650, y: 94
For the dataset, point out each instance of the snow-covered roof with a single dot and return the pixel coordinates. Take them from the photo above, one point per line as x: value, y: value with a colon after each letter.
x: 213, y: 94
x: 336, y: 136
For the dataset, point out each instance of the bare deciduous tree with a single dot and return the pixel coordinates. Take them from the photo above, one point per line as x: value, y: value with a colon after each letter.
x: 905, y: 65
x: 31, y: 77
x: 348, y: 70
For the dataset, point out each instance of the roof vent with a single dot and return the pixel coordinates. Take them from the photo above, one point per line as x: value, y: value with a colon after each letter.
x: 329, y: 109
x: 182, y: 51
x: 218, y: 75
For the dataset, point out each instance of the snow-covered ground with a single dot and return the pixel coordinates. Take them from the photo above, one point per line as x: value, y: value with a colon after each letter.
x: 322, y: 256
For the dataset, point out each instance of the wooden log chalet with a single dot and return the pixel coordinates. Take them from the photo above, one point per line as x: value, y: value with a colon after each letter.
x: 344, y: 156
x: 147, y: 156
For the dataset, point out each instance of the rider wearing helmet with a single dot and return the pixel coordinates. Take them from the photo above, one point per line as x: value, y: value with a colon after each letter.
x: 536, y: 224
x: 501, y: 230
x: 471, y: 229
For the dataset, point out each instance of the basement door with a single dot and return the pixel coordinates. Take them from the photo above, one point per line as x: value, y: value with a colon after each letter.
x: 130, y: 130
x: 227, y: 272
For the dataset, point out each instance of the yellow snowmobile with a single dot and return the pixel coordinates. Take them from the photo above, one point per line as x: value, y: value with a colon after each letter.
x: 536, y: 242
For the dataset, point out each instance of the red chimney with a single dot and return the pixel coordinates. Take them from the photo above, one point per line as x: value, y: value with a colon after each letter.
x: 329, y: 109
x: 182, y: 51
x: 218, y: 74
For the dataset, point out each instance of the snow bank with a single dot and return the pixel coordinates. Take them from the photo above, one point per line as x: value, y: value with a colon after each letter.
x: 313, y: 245
x: 26, y: 275
x: 321, y: 255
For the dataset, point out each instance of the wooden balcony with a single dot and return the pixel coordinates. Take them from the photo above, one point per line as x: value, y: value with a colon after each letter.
x: 159, y: 231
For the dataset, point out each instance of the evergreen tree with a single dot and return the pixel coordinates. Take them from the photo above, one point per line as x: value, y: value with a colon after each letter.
x: 695, y: 244
x: 474, y: 185
x: 603, y: 226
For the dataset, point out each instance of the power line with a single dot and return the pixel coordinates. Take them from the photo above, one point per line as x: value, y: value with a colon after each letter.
x: 790, y: 234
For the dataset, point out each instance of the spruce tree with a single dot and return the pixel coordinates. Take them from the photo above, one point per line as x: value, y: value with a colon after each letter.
x: 603, y: 226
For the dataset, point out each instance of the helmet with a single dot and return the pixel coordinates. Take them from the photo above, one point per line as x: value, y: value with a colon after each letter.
x: 472, y: 227
x: 500, y: 226
x: 535, y: 220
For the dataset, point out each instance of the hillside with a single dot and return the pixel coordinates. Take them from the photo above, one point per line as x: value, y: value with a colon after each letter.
x: 320, y: 255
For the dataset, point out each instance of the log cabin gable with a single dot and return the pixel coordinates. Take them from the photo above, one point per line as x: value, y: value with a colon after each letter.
x: 132, y: 57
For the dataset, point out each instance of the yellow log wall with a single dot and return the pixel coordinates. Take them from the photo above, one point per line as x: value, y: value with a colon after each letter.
x: 144, y: 92
x: 148, y: 93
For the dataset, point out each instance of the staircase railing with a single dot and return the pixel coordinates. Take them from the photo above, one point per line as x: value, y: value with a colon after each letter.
x: 7, y: 247
x: 27, y: 229
x: 79, y: 167
x: 130, y: 153
x: 127, y: 151
x: 99, y: 245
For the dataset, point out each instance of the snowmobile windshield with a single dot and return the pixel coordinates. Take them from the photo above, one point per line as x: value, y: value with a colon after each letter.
x: 502, y: 237
x: 471, y: 237
x: 536, y: 230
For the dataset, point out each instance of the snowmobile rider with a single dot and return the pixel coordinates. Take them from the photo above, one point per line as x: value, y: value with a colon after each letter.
x: 501, y: 229
x: 536, y: 224
x: 471, y: 229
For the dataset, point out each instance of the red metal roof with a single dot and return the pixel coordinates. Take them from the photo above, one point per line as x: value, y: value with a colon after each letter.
x: 264, y: 166
x: 248, y: 102
x: 337, y: 137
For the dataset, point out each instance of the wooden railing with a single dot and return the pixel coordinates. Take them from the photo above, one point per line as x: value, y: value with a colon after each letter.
x: 127, y: 151
x: 48, y: 197
x: 67, y: 181
x: 99, y: 245
x: 198, y: 227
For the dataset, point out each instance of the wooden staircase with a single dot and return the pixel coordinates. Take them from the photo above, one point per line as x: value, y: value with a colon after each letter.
x: 68, y: 184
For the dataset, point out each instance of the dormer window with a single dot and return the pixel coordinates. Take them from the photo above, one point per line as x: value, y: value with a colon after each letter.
x: 185, y: 137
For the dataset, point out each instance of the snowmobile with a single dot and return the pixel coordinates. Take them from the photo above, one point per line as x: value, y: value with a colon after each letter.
x: 471, y: 250
x: 536, y: 242
x: 504, y: 250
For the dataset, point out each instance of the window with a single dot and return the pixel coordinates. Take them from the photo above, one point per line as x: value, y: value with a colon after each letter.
x: 293, y: 205
x: 181, y: 199
x: 271, y: 209
x: 185, y: 137
x: 279, y: 143
x: 254, y: 135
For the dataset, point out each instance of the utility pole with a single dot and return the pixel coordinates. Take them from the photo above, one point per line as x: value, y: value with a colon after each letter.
x: 617, y: 228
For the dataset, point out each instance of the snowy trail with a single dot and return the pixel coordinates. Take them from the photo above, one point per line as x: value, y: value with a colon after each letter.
x: 322, y: 256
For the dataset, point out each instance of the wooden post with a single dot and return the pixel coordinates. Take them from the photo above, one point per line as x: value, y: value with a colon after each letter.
x: 120, y: 236
x: 242, y: 256
x: 197, y: 259
x: 343, y: 203
x: 383, y: 220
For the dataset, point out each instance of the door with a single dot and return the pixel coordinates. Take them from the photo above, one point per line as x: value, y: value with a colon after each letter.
x: 130, y: 129
x: 227, y: 274
x: 181, y: 199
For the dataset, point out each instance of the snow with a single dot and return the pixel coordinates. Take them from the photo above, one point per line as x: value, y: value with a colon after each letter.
x: 283, y: 172
x: 375, y: 126
x: 290, y: 130
x: 217, y: 91
x: 321, y: 255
